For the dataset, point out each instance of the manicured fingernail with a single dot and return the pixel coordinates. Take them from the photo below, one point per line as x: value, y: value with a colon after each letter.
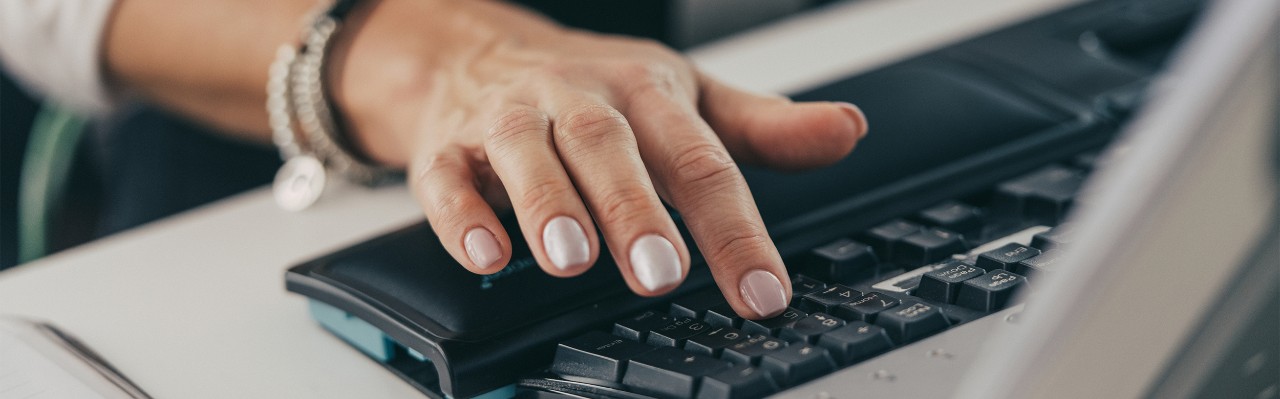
x: 566, y: 243
x: 763, y: 293
x: 482, y: 247
x: 859, y: 119
x: 655, y: 262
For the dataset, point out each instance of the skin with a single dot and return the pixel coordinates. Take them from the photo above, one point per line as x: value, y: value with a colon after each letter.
x: 498, y: 108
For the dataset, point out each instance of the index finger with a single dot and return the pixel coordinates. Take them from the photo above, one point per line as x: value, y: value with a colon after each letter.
x: 694, y: 171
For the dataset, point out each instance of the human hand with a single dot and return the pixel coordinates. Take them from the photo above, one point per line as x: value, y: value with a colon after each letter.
x: 576, y: 131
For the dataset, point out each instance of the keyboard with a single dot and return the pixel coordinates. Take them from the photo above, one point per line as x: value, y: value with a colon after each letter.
x: 951, y: 208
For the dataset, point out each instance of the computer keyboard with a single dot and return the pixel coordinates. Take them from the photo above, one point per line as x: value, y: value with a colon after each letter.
x: 965, y: 259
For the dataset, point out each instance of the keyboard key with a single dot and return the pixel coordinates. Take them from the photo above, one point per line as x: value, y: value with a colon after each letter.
x: 809, y: 328
x: 596, y: 355
x: 1012, y: 199
x: 1046, y: 262
x: 884, y: 238
x: 943, y: 284
x: 927, y: 246
x: 1054, y: 238
x: 636, y: 328
x: 866, y: 307
x: 669, y: 372
x: 750, y: 351
x: 695, y: 305
x: 772, y: 326
x: 801, y: 285
x: 712, y: 342
x: 843, y: 261
x: 912, y: 321
x: 675, y: 333
x: 855, y: 342
x: 797, y: 363
x: 722, y: 316
x: 1006, y: 257
x: 738, y: 382
x: 954, y: 216
x: 989, y: 292
x: 828, y: 298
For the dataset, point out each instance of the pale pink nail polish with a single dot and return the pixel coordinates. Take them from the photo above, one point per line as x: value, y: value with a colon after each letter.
x: 763, y: 293
x: 655, y: 262
x: 566, y: 243
x: 482, y: 247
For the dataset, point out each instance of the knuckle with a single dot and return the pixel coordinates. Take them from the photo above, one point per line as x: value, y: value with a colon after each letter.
x: 625, y: 206
x: 702, y: 165
x: 545, y: 196
x: 743, y: 241
x: 589, y: 126
x: 452, y: 208
x: 516, y: 124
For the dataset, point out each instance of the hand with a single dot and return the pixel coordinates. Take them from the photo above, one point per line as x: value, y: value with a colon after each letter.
x: 576, y: 131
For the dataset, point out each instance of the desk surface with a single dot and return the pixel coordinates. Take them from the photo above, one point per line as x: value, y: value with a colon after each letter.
x: 195, y: 306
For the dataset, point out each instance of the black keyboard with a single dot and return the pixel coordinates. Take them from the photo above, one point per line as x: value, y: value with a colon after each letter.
x: 952, y: 205
x: 856, y: 297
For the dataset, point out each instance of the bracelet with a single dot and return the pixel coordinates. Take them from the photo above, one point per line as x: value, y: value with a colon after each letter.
x: 296, y: 89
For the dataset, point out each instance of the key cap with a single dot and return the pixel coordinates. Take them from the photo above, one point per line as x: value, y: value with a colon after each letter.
x: 1012, y: 198
x: 722, y: 316
x: 954, y: 216
x: 596, y: 355
x: 1054, y: 238
x: 866, y: 307
x: 942, y: 285
x: 828, y: 298
x: 843, y: 261
x: 669, y: 372
x: 884, y: 237
x: 1046, y: 262
x: 636, y: 328
x: 912, y: 321
x: 750, y: 351
x: 1006, y: 257
x: 855, y: 342
x: 809, y: 328
x: 801, y: 285
x: 1050, y: 206
x: 797, y: 363
x: 771, y: 326
x: 712, y: 342
x: 675, y: 333
x: 695, y: 305
x: 738, y: 382
x: 989, y: 292
x: 927, y: 246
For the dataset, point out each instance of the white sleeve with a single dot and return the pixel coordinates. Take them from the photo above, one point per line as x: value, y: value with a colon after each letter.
x: 54, y: 47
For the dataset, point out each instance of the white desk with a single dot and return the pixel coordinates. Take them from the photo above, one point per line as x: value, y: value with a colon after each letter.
x: 194, y: 305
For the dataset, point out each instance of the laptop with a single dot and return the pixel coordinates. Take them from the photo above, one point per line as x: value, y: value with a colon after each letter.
x: 1080, y: 205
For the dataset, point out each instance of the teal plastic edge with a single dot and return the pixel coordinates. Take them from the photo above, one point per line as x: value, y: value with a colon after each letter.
x: 358, y: 333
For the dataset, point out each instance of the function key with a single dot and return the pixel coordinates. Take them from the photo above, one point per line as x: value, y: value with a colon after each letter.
x: 989, y: 292
x: 855, y: 342
x: 750, y: 351
x: 927, y: 246
x: 670, y: 372
x: 885, y: 236
x: 772, y: 326
x: 1046, y: 262
x: 797, y: 363
x: 842, y: 261
x: 828, y: 298
x: 1006, y: 257
x: 637, y: 328
x: 596, y: 355
x: 912, y: 321
x: 1054, y: 238
x: 1050, y: 188
x: 715, y: 340
x: 955, y: 216
x: 809, y: 328
x: 943, y: 284
x: 866, y: 307
x: 696, y: 305
x: 675, y: 333
x: 738, y: 382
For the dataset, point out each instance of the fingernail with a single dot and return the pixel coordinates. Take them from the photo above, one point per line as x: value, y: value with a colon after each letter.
x: 566, y: 243
x: 859, y: 119
x: 763, y: 293
x: 655, y: 262
x: 482, y: 247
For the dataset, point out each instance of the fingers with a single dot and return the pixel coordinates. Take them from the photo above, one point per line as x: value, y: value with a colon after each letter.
x: 444, y: 183
x: 598, y: 149
x: 701, y: 180
x: 554, y: 221
x: 775, y: 132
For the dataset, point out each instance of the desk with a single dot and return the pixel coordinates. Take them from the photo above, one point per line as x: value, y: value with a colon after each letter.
x: 194, y: 305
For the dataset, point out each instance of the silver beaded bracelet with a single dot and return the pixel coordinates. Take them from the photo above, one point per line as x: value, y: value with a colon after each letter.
x: 295, y: 91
